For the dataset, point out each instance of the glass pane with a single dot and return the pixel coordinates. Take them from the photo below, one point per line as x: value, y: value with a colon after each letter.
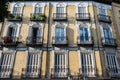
x: 86, y: 34
x: 81, y: 34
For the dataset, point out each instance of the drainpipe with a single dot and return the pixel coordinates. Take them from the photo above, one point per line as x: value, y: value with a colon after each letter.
x: 48, y: 43
x: 96, y: 30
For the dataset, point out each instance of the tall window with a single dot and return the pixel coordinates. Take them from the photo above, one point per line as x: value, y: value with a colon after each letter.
x: 33, y: 65
x: 108, y: 38
x: 59, y: 9
x: 82, y: 10
x: 59, y: 34
x: 87, y: 63
x: 17, y: 9
x: 60, y: 64
x: 83, y: 32
x: 111, y: 64
x: 38, y: 9
x: 102, y: 10
x: 6, y: 65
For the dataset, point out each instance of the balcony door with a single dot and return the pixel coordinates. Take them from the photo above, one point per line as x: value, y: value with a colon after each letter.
x: 59, y: 34
x: 60, y: 13
x: 34, y: 35
x: 6, y: 65
x: 33, y: 65
x: 107, y: 36
x: 87, y: 64
x: 60, y: 63
x: 84, y: 35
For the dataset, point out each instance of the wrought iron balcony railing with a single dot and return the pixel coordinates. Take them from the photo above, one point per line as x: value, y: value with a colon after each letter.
x: 31, y: 72
x: 87, y: 71
x: 34, y: 41
x: 85, y: 40
x: 109, y: 42
x: 15, y: 17
x: 113, y: 71
x: 83, y: 16
x: 60, y: 40
x: 37, y: 17
x: 5, y: 72
x: 60, y: 16
x: 104, y: 18
x: 9, y: 40
x: 59, y: 72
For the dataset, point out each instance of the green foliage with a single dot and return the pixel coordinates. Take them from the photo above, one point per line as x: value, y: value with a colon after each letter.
x: 32, y: 16
x: 42, y: 17
x: 18, y: 17
x: 10, y: 16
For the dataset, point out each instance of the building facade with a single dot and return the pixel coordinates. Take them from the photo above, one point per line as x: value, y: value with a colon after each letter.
x: 60, y: 40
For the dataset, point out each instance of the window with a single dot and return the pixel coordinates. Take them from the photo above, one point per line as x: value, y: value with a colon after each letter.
x: 38, y: 9
x: 33, y: 65
x: 87, y: 64
x: 6, y: 65
x: 111, y: 64
x: 16, y: 10
x: 59, y: 34
x: 60, y: 69
x: 82, y: 10
x: 83, y: 32
x: 107, y: 34
x: 60, y: 10
x: 102, y: 10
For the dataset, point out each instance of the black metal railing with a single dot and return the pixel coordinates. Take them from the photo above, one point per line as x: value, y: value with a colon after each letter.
x: 104, y: 18
x: 109, y: 41
x: 59, y: 16
x: 37, y: 17
x: 34, y: 40
x: 113, y: 71
x: 82, y: 16
x: 59, y: 72
x: 31, y: 72
x: 9, y: 40
x: 60, y: 40
x: 87, y: 71
x: 5, y: 72
x: 15, y: 16
x: 88, y: 40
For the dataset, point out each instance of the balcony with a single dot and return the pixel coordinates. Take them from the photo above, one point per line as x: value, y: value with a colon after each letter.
x: 9, y: 41
x: 87, y: 71
x: 38, y: 17
x: 59, y: 72
x: 85, y: 41
x: 104, y: 18
x: 109, y: 42
x: 15, y: 17
x: 113, y: 72
x: 5, y: 72
x: 82, y: 16
x: 34, y: 41
x: 60, y: 41
x: 31, y: 72
x: 60, y: 16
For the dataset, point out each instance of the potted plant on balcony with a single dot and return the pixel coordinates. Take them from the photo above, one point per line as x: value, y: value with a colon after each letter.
x: 42, y: 17
x: 18, y: 17
x: 32, y: 17
x: 10, y: 16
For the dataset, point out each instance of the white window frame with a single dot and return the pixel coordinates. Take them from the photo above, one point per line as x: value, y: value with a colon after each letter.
x: 102, y: 8
x: 89, y: 74
x: 82, y: 4
x: 60, y: 5
x: 33, y: 73
x: 40, y: 26
x: 39, y: 5
x: 86, y: 25
x: 16, y: 5
x: 65, y: 52
x: 65, y: 31
x: 112, y: 53
x: 6, y: 74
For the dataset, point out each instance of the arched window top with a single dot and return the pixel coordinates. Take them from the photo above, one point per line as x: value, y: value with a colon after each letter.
x: 38, y: 8
x: 60, y: 25
x: 17, y: 5
x: 38, y: 5
x: 83, y: 25
x: 12, y: 25
x: 60, y: 5
x: 36, y: 25
x: 82, y: 5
